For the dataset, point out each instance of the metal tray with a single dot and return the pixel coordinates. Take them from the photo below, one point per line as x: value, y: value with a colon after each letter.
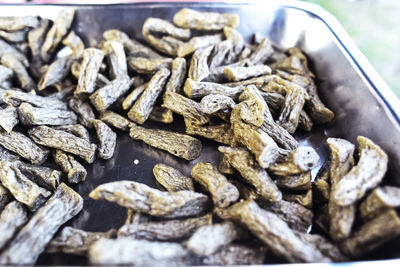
x: 363, y: 103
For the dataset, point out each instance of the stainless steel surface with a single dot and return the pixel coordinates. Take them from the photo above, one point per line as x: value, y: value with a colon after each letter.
x: 362, y: 102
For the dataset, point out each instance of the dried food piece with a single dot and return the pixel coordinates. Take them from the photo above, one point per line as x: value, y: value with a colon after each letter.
x: 8, y: 118
x: 75, y: 129
x: 115, y: 120
x: 209, y: 239
x: 262, y: 52
x: 274, y: 232
x: 236, y: 38
x: 304, y: 199
x: 367, y: 174
x: 14, y: 37
x: 195, y: 89
x: 178, y: 75
x: 165, y: 230
x: 142, y: 198
x: 90, y: 66
x: 222, y: 54
x: 379, y: 200
x: 141, y: 110
x: 43, y: 176
x: 292, y: 108
x: 31, y: 241
x: 6, y: 155
x: 17, y: 23
x: 128, y: 251
x: 239, y: 73
x: 36, y: 38
x: 177, y: 144
x: 198, y: 69
x: 116, y: 58
x: 295, y: 215
x: 12, y: 218
x: 75, y: 43
x: 161, y: 114
x: 21, y: 187
x: 341, y: 218
x: 29, y: 115
x: 57, y: 31
x: 206, y: 21
x: 223, y: 193
x: 371, y: 235
x: 5, y: 196
x: 243, y: 161
x: 67, y: 142
x: 15, y: 98
x: 133, y: 47
x: 76, y: 173
x: 213, y: 103
x: 234, y: 254
x: 23, y: 146
x: 12, y: 62
x: 84, y: 111
x: 172, y: 179
x: 165, y: 27
x: 186, y: 107
x: 5, y: 73
x: 6, y: 48
x: 105, y: 96
x: 107, y: 139
x: 301, y: 159
x: 224, y: 166
x: 198, y: 42
x: 149, y: 65
x: 221, y: 133
x: 75, y: 241
x: 56, y: 72
x: 296, y: 182
x: 324, y: 246
x: 133, y: 96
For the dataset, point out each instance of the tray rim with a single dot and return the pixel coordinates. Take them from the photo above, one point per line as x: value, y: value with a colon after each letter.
x: 383, y: 91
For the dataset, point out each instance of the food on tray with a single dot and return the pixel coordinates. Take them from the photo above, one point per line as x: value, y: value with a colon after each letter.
x: 253, y: 98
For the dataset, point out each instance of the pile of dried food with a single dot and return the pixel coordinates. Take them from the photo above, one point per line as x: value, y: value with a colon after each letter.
x: 249, y: 98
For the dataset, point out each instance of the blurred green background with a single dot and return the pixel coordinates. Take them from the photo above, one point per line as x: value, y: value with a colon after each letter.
x: 374, y: 25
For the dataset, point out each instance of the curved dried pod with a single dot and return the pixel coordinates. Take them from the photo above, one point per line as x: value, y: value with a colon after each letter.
x: 57, y: 31
x: 23, y: 146
x: 169, y: 230
x: 115, y: 120
x: 239, y: 73
x: 341, y: 218
x: 243, y: 161
x: 84, y: 111
x: 177, y: 144
x: 274, y: 232
x: 171, y: 178
x: 206, y: 21
x: 149, y: 65
x: 75, y: 241
x: 67, y: 142
x: 367, y: 174
x: 141, y: 110
x: 33, y: 238
x: 15, y: 98
x: 142, y: 198
x: 11, y: 61
x: 56, y: 72
x: 208, y: 239
x: 380, y: 200
x: 198, y: 42
x: 223, y: 193
x: 107, y: 139
x: 12, y: 218
x: 90, y: 66
x: 75, y: 129
x: 301, y: 159
x: 213, y: 103
x: 115, y: 53
x: 29, y: 115
x: 195, y: 89
x: 186, y: 107
x: 165, y: 27
x: 198, y: 69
